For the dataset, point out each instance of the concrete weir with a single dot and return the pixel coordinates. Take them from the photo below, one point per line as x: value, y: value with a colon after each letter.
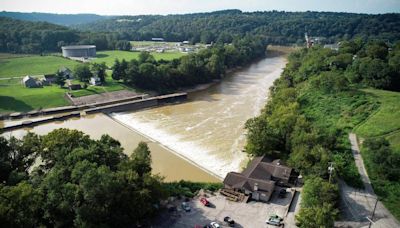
x: 132, y: 105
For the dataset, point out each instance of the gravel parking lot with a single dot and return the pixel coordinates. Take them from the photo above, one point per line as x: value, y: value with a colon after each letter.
x: 252, y: 214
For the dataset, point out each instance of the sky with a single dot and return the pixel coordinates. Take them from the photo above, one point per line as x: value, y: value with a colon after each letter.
x: 137, y: 7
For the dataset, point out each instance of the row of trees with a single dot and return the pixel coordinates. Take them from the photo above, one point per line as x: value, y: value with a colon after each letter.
x: 277, y: 27
x: 79, y: 182
x: 202, y: 67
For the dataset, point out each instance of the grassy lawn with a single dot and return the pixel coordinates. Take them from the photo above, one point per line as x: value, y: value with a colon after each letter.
x: 109, y: 86
x: 109, y: 56
x: 17, y: 65
x: 14, y: 97
x: 386, y: 119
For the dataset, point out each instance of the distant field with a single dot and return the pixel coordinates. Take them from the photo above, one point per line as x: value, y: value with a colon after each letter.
x: 18, y: 66
x: 109, y: 56
x: 151, y: 43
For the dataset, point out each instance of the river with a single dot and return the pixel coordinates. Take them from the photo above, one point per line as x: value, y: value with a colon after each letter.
x: 209, y: 129
x: 199, y: 140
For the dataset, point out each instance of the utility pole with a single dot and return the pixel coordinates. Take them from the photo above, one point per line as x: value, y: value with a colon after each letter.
x: 373, y: 213
x: 330, y: 170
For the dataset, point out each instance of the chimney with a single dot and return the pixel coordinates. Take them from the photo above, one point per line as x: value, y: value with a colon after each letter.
x: 256, y: 187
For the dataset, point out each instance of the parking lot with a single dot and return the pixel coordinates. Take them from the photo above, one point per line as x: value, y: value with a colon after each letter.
x: 251, y: 214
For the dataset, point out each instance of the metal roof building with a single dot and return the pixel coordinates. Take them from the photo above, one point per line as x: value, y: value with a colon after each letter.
x: 79, y: 51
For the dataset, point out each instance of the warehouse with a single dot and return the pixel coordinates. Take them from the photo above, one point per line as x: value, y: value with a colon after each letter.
x: 79, y: 51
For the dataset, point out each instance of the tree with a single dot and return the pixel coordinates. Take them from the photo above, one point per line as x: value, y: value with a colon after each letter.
x: 145, y: 57
x: 100, y: 71
x: 141, y: 159
x: 116, y: 74
x: 123, y: 45
x: 82, y: 72
x: 132, y: 73
x: 60, y: 79
x: 20, y: 205
x: 317, y: 216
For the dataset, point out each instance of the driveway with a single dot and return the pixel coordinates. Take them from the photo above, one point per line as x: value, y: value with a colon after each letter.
x: 358, y: 204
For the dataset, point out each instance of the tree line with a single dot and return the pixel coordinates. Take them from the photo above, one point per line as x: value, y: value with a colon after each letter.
x: 41, y: 37
x: 311, y: 109
x: 202, y: 67
x: 278, y: 27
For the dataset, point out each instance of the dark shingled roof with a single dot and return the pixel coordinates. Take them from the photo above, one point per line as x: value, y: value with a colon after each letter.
x: 260, y: 171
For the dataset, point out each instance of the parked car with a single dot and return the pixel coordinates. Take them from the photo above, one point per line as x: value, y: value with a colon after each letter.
x: 274, y: 220
x: 185, y: 206
x: 282, y: 193
x: 205, y: 202
x: 229, y: 221
x: 215, y: 225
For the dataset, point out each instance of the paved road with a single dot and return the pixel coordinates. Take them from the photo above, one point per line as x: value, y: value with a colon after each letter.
x: 357, y: 204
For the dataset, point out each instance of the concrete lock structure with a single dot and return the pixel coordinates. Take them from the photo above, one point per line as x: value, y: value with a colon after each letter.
x: 79, y: 51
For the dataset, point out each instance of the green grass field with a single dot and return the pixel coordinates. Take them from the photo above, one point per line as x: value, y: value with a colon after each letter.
x: 17, y: 65
x: 109, y: 56
x: 14, y: 97
x: 109, y: 86
x: 386, y: 119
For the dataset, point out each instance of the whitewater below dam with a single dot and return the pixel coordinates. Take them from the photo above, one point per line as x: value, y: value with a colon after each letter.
x: 208, y: 129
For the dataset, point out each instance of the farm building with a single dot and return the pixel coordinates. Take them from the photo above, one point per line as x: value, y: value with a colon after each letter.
x: 31, y: 82
x: 79, y: 51
x: 95, y: 81
x: 48, y: 79
x: 73, y: 86
x: 66, y: 72
x: 157, y: 39
x: 260, y: 178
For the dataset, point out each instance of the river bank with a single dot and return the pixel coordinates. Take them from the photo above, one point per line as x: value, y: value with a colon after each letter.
x: 198, y: 140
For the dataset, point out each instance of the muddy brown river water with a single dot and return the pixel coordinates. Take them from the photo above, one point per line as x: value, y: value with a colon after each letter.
x: 201, y: 139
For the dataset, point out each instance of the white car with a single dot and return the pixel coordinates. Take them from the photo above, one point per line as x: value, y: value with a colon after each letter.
x: 215, y: 225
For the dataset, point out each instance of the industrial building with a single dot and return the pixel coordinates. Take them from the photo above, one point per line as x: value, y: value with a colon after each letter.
x: 79, y: 51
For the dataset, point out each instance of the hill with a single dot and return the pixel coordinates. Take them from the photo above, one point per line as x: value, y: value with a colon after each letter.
x: 276, y: 27
x: 60, y: 19
x: 18, y: 36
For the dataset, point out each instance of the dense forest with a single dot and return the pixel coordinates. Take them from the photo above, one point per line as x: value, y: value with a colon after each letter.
x: 275, y: 26
x: 196, y: 68
x: 59, y: 19
x: 313, y: 105
x: 66, y: 179
x: 18, y: 36
x: 283, y: 28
